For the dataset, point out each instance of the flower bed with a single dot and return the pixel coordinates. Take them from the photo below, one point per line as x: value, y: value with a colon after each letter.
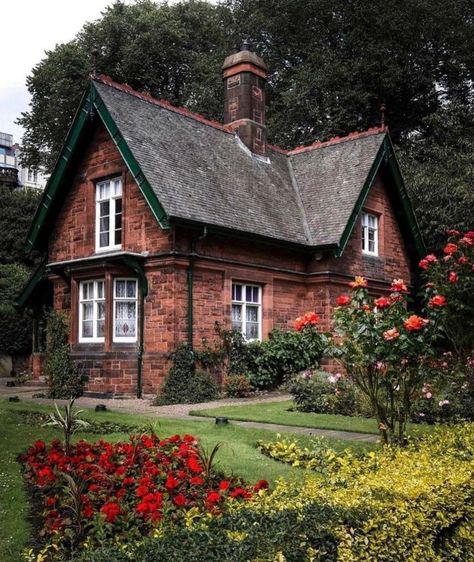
x: 98, y: 493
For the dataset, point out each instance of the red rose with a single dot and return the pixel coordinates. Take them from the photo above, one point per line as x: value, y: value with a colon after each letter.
x: 463, y: 260
x: 382, y: 302
x: 437, y: 301
x: 171, y: 482
x: 398, y: 286
x: 391, y: 334
x: 224, y: 485
x: 453, y: 232
x: 194, y: 466
x: 465, y: 241
x: 414, y: 323
x: 343, y: 300
x: 453, y: 277
x: 213, y: 497
x: 239, y: 493
x: 427, y: 261
x: 450, y: 248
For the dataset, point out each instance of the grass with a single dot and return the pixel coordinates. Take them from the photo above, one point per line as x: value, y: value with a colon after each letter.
x: 237, y: 456
x: 279, y: 413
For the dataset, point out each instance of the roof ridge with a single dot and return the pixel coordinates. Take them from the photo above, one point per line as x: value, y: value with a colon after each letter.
x: 165, y: 104
x: 337, y: 140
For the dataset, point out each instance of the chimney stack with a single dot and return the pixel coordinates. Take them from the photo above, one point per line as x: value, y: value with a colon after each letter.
x: 244, y: 74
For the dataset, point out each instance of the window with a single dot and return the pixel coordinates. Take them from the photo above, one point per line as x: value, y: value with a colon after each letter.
x: 125, y: 310
x: 370, y: 242
x: 109, y: 214
x: 247, y: 310
x: 92, y: 311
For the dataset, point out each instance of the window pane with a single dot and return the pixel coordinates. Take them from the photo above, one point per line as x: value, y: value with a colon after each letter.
x: 104, y: 190
x: 100, y: 289
x: 251, y: 314
x: 118, y: 187
x: 125, y: 319
x: 88, y: 311
x: 371, y: 246
x: 104, y: 239
x: 236, y: 292
x: 87, y: 329
x: 251, y: 331
x: 118, y: 237
x: 104, y: 224
x: 104, y: 208
x: 237, y: 313
x: 100, y: 328
x: 131, y: 289
x: 120, y: 287
x: 118, y: 206
x: 100, y: 310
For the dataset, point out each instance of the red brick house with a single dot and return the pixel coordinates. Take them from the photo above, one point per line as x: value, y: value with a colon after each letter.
x: 156, y: 223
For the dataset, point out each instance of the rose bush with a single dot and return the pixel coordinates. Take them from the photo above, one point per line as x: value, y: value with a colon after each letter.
x: 101, y: 492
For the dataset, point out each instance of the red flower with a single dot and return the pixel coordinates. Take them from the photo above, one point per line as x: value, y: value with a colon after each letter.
x: 453, y: 232
x: 51, y: 501
x: 224, y: 485
x: 382, y: 302
x: 194, y: 466
x: 196, y: 481
x: 171, y: 482
x: 466, y: 241
x: 463, y: 260
x: 391, y: 334
x: 414, y: 323
x: 180, y: 500
x: 39, y: 445
x: 469, y: 234
x: 398, y: 286
x: 213, y: 497
x: 453, y: 277
x: 261, y: 485
x: 427, y: 261
x: 343, y: 300
x: 437, y: 301
x: 450, y: 248
x: 358, y: 282
x: 309, y: 319
x: 111, y: 511
x: 239, y: 493
x: 88, y: 511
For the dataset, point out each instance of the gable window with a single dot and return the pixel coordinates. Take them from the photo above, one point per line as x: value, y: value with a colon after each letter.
x: 247, y: 310
x: 92, y: 311
x: 125, y: 310
x: 108, y: 225
x: 370, y: 234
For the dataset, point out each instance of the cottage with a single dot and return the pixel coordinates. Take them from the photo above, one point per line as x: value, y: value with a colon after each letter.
x: 157, y: 222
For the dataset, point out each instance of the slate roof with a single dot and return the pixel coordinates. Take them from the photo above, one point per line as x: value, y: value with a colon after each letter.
x: 201, y: 172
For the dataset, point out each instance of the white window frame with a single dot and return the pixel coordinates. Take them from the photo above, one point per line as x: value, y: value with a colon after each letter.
x: 125, y: 339
x: 95, y: 300
x: 244, y: 303
x: 115, y: 192
x: 366, y: 228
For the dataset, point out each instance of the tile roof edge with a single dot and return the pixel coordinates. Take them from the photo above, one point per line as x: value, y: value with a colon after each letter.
x: 338, y: 140
x: 299, y: 201
x: 125, y: 88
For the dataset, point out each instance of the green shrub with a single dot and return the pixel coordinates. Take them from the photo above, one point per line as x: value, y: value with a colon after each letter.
x: 65, y: 379
x: 185, y: 385
x: 323, y: 393
x: 237, y: 386
x: 396, y: 504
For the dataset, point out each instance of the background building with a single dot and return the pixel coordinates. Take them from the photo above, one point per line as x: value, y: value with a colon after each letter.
x: 12, y: 173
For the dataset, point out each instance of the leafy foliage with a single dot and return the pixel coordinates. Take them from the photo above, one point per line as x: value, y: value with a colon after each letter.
x: 68, y: 423
x: 237, y: 386
x: 65, y: 379
x: 184, y: 384
x: 415, y: 502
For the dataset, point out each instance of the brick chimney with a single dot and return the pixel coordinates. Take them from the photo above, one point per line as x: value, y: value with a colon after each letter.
x: 244, y: 74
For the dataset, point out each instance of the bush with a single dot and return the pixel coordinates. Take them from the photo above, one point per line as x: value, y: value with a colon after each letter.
x: 185, y: 385
x: 403, y: 504
x: 64, y: 377
x: 323, y: 393
x: 237, y: 386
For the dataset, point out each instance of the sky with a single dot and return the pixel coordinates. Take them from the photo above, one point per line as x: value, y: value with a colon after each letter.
x: 29, y: 28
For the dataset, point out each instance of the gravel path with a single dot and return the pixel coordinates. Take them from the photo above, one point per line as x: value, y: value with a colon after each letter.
x: 181, y: 411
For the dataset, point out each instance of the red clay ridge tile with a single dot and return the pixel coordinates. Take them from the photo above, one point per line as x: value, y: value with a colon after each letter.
x: 104, y: 79
x: 338, y: 140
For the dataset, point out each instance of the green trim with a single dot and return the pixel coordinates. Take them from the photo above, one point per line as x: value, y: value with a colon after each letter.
x: 37, y: 277
x: 131, y: 162
x: 386, y: 155
x: 90, y: 104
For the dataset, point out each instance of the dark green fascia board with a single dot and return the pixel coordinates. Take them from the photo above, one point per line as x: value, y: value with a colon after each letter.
x: 90, y: 103
x: 385, y: 154
x: 52, y: 187
x: 132, y: 164
x: 135, y: 264
x: 38, y: 275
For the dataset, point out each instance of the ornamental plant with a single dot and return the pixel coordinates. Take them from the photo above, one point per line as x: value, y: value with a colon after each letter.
x: 449, y: 286
x: 102, y: 493
x: 387, y: 352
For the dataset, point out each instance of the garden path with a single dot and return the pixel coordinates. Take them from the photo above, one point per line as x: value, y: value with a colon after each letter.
x: 29, y: 392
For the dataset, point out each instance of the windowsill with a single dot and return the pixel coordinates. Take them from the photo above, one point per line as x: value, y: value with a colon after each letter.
x: 109, y: 249
x: 370, y: 255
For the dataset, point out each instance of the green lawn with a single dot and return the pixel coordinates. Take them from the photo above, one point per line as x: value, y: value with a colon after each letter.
x: 238, y: 455
x: 279, y: 413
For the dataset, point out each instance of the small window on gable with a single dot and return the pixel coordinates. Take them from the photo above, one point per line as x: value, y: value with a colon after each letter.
x: 247, y: 310
x: 370, y: 234
x: 109, y: 214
